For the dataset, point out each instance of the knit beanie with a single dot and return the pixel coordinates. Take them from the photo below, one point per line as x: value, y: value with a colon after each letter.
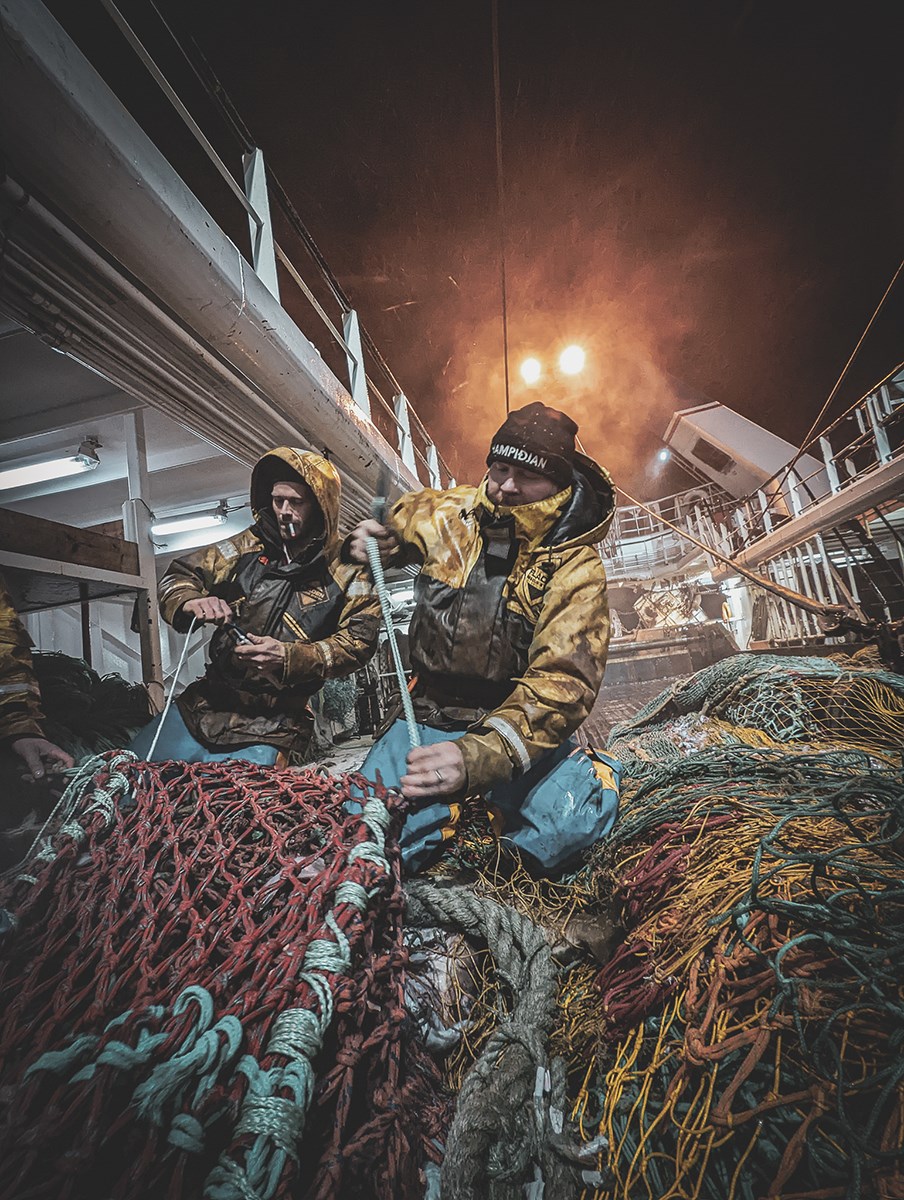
x: 539, y: 439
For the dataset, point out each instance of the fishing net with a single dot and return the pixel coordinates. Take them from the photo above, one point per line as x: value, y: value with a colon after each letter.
x: 767, y: 699
x: 338, y: 702
x: 730, y: 1001
x: 755, y: 1008
x: 84, y: 714
x: 203, y: 994
x: 711, y: 1007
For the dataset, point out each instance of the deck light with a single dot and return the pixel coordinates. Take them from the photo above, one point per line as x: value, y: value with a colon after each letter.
x: 572, y: 360
x: 530, y: 370
x: 22, y: 474
x: 191, y: 521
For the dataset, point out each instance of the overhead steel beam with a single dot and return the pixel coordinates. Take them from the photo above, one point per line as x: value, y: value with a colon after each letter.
x: 68, y: 293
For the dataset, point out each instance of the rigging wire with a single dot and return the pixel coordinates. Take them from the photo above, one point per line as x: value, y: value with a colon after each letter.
x: 217, y: 94
x: 807, y: 440
x: 500, y: 200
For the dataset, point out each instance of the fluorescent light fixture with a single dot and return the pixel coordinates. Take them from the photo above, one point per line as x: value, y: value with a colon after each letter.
x: 191, y: 521
x: 51, y: 468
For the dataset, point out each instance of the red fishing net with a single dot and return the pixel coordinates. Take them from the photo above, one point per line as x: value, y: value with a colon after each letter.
x: 204, y: 995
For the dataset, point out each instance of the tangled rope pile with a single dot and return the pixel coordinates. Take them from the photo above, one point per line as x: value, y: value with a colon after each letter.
x: 510, y: 1137
x: 203, y: 994
x: 206, y: 990
x: 753, y: 1013
x: 742, y: 1035
x: 756, y: 1003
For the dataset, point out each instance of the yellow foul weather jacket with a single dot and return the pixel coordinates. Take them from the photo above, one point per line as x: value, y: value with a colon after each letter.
x: 20, y: 697
x: 511, y: 624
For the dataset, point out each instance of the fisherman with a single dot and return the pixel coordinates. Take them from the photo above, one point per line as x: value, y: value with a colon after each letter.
x: 290, y: 616
x: 21, y: 717
x: 508, y: 645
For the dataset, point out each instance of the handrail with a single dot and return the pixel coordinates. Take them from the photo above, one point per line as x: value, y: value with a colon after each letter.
x: 845, y: 416
x: 242, y: 135
x: 132, y: 38
x: 315, y: 303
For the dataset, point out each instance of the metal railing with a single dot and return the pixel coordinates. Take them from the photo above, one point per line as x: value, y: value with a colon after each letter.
x: 865, y: 438
x: 396, y: 419
x: 639, y: 546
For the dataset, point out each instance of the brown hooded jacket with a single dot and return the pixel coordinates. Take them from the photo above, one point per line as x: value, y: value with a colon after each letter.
x: 324, y: 610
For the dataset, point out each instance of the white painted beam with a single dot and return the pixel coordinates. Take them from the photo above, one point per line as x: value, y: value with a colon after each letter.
x: 53, y: 566
x: 136, y: 519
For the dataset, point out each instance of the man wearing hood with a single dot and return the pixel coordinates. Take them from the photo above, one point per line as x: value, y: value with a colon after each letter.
x: 508, y: 644
x: 303, y: 616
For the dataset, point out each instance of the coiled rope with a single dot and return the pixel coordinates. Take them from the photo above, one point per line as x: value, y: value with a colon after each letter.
x: 507, y: 1137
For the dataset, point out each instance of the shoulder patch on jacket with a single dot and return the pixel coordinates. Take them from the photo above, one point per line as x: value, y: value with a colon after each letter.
x: 228, y: 551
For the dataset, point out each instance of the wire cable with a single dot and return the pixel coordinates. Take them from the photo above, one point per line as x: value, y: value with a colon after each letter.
x: 376, y: 570
x: 500, y: 200
x: 172, y: 691
x: 809, y: 435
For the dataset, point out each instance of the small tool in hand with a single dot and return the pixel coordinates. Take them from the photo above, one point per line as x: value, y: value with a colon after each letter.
x: 236, y: 632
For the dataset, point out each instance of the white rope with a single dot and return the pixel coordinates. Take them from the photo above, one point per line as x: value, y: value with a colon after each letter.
x: 376, y: 570
x: 172, y: 691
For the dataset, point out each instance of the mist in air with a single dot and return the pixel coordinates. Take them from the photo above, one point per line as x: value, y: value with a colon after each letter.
x: 703, y: 196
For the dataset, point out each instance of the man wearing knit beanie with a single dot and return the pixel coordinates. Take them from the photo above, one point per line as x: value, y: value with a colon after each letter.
x: 537, y: 439
x: 508, y: 645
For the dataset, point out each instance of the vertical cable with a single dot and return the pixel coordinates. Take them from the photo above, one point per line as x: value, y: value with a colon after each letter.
x: 172, y: 691
x: 807, y: 438
x: 376, y: 570
x: 500, y: 199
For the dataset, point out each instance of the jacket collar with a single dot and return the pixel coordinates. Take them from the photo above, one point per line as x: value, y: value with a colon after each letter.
x: 532, y: 522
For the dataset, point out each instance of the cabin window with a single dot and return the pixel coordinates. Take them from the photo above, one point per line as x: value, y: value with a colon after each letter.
x: 712, y: 456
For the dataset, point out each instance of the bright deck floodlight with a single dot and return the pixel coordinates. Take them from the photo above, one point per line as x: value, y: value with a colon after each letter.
x: 188, y: 522
x: 572, y: 360
x: 530, y: 370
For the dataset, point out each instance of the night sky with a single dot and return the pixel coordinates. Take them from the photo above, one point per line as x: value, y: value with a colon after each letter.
x: 706, y: 196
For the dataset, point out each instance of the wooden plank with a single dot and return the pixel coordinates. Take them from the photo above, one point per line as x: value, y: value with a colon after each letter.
x: 110, y: 528
x: 22, y: 533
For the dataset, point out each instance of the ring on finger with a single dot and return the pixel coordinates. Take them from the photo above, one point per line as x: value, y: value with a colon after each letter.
x: 440, y: 778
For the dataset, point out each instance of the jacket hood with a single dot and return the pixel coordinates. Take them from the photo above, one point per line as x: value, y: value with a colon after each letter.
x: 577, y: 516
x: 313, y: 469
